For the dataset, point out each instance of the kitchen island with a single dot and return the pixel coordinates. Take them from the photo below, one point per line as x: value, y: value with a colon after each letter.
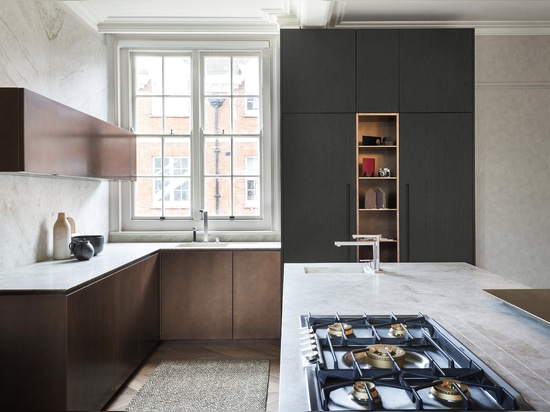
x: 514, y: 344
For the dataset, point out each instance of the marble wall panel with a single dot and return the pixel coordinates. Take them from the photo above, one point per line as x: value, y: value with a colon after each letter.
x: 28, y: 211
x: 47, y: 49
x: 44, y: 47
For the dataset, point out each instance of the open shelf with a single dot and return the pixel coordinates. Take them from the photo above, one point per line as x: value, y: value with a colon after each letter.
x: 378, y: 193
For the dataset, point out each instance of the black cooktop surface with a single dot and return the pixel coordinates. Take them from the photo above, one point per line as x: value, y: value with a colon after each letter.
x: 532, y: 301
x: 396, y: 362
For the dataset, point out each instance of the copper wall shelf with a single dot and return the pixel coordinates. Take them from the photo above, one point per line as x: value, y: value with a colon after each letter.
x: 43, y: 136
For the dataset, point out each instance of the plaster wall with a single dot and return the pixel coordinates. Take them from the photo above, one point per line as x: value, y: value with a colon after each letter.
x: 512, y: 157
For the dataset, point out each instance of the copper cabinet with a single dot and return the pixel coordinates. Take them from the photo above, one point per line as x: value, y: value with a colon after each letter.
x: 220, y: 294
x: 196, y: 295
x: 256, y: 295
x: 40, y: 135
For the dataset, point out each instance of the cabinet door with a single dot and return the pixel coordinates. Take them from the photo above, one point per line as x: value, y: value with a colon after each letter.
x: 317, y: 71
x: 436, y: 70
x: 90, y: 344
x: 318, y: 187
x: 377, y: 62
x: 33, y: 352
x: 437, y: 187
x: 126, y: 303
x: 149, y: 279
x: 256, y: 295
x: 196, y: 290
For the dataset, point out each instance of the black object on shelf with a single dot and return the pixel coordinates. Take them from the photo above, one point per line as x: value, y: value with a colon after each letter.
x: 372, y: 140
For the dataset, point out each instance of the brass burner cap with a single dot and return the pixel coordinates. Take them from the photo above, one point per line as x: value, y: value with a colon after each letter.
x: 397, y: 330
x: 336, y: 329
x: 361, y: 390
x: 377, y: 355
x: 446, y: 391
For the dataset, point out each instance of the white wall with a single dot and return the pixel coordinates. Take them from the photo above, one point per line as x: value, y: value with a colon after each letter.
x: 513, y: 157
x: 45, y: 48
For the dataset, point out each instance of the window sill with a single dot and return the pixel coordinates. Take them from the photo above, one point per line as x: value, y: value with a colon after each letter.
x: 187, y: 236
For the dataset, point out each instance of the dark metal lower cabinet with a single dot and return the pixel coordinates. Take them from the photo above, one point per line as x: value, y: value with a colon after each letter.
x: 318, y: 187
x: 90, y: 345
x: 437, y: 215
x: 72, y: 352
x: 127, y: 323
x: 33, y: 352
x: 149, y: 311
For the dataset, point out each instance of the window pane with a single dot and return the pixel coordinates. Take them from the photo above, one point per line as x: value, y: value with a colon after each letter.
x: 217, y: 75
x: 217, y: 195
x: 149, y: 152
x: 245, y: 115
x: 246, y: 75
x: 246, y: 196
x: 178, y: 151
x: 147, y: 193
x: 177, y: 196
x: 217, y: 156
x: 178, y: 115
x: 148, y: 79
x: 177, y: 75
x: 148, y: 116
x: 217, y: 115
x: 244, y: 149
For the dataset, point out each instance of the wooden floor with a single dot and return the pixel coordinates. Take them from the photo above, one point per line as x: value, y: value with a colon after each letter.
x: 216, y: 350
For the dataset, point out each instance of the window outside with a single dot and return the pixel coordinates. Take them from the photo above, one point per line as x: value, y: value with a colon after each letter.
x: 225, y: 179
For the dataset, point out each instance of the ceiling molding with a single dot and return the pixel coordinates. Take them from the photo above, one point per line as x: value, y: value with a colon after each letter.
x: 337, y: 13
x: 170, y: 25
x: 314, y: 14
x: 89, y: 13
x: 285, y: 19
x: 493, y: 28
x: 293, y: 14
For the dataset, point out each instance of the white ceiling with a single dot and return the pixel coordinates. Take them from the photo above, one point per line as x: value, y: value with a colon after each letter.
x: 163, y: 16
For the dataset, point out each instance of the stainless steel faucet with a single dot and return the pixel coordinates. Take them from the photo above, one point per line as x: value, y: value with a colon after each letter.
x: 205, y: 217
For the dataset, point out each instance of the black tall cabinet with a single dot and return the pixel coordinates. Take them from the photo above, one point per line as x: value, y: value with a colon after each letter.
x: 436, y: 104
x: 426, y: 75
x: 319, y: 183
x: 318, y: 132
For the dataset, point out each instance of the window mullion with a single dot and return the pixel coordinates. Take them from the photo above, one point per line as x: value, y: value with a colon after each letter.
x: 197, y: 138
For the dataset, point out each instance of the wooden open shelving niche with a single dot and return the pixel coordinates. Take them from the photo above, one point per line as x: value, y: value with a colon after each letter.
x: 372, y: 220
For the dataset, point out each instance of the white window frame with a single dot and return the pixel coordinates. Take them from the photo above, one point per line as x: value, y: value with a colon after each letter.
x: 121, y: 192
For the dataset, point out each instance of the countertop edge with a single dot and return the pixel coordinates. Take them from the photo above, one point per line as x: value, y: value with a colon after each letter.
x: 65, y: 276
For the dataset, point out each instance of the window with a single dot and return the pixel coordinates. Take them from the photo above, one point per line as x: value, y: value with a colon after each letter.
x: 200, y: 117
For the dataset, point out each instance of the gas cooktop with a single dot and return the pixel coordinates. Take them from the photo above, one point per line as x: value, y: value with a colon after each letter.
x: 391, y: 362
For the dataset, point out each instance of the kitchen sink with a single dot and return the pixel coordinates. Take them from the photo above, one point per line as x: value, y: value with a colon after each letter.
x: 201, y: 245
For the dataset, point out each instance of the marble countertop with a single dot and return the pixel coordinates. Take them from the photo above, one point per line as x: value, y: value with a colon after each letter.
x: 63, y: 276
x: 513, y: 343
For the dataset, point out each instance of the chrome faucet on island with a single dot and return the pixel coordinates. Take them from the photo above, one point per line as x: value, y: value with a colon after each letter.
x: 204, y: 216
x: 365, y: 240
